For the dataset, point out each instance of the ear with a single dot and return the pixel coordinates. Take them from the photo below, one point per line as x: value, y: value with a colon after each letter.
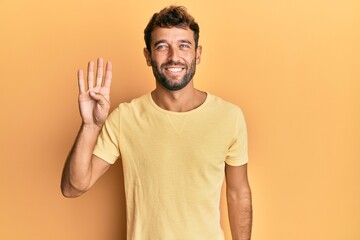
x: 147, y: 56
x: 198, y: 54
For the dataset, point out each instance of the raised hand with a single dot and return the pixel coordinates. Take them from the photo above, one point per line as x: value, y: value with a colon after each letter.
x: 94, y: 100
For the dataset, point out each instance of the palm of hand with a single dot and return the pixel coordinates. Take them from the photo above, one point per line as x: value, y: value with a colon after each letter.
x: 94, y: 103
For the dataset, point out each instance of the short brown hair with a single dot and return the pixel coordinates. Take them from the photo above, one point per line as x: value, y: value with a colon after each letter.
x: 172, y: 16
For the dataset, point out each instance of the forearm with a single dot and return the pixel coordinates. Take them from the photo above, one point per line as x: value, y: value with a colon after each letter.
x: 240, y: 215
x: 76, y: 175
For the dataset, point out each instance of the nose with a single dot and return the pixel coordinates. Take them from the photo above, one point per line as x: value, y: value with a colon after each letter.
x: 173, y: 55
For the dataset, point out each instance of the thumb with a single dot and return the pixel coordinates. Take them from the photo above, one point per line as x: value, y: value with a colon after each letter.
x: 99, y: 98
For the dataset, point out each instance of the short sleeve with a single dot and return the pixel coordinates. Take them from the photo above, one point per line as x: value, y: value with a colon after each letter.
x: 237, y: 154
x: 107, y: 145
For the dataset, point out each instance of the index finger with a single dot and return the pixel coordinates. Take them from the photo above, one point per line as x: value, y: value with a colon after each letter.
x: 108, y: 74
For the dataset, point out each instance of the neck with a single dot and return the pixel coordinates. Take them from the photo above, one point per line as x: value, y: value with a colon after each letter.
x: 182, y: 100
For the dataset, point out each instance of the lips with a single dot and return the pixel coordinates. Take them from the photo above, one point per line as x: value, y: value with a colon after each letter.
x: 174, y: 69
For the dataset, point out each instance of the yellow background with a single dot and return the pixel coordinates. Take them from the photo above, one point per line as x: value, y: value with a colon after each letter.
x: 292, y: 65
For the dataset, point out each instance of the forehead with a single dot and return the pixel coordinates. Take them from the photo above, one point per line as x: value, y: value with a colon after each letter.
x: 172, y: 34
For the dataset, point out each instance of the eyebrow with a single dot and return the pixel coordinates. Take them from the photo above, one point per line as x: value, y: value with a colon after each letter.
x: 158, y: 42
x: 164, y: 41
x: 186, y: 41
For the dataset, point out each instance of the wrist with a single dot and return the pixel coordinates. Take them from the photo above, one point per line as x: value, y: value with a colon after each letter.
x: 91, y: 127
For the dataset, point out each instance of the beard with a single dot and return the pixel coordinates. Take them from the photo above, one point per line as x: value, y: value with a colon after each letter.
x: 167, y: 83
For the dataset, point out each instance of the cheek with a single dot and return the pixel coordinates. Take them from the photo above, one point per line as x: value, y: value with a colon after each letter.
x: 190, y: 59
x: 159, y: 58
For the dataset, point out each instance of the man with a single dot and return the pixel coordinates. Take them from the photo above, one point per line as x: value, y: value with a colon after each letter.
x: 176, y: 143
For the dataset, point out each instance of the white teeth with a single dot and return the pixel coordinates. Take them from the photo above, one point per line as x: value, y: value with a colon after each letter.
x: 174, y: 69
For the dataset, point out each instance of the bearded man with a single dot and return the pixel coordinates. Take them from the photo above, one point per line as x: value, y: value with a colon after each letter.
x: 176, y: 143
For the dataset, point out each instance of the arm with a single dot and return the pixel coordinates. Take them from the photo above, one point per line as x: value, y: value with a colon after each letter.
x: 239, y: 202
x: 82, y: 168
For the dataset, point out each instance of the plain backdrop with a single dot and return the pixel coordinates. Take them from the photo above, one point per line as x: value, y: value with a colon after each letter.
x: 293, y: 66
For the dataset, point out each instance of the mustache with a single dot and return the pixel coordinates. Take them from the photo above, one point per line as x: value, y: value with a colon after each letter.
x: 172, y: 63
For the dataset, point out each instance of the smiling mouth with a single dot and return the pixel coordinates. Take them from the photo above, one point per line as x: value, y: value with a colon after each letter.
x: 174, y: 69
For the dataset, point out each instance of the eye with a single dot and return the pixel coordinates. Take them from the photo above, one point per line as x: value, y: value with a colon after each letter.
x: 184, y: 46
x: 161, y: 47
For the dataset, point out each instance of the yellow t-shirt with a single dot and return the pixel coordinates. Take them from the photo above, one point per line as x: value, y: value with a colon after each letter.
x: 173, y: 165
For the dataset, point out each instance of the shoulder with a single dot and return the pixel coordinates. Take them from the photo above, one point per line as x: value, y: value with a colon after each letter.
x: 223, y: 106
x: 138, y: 104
